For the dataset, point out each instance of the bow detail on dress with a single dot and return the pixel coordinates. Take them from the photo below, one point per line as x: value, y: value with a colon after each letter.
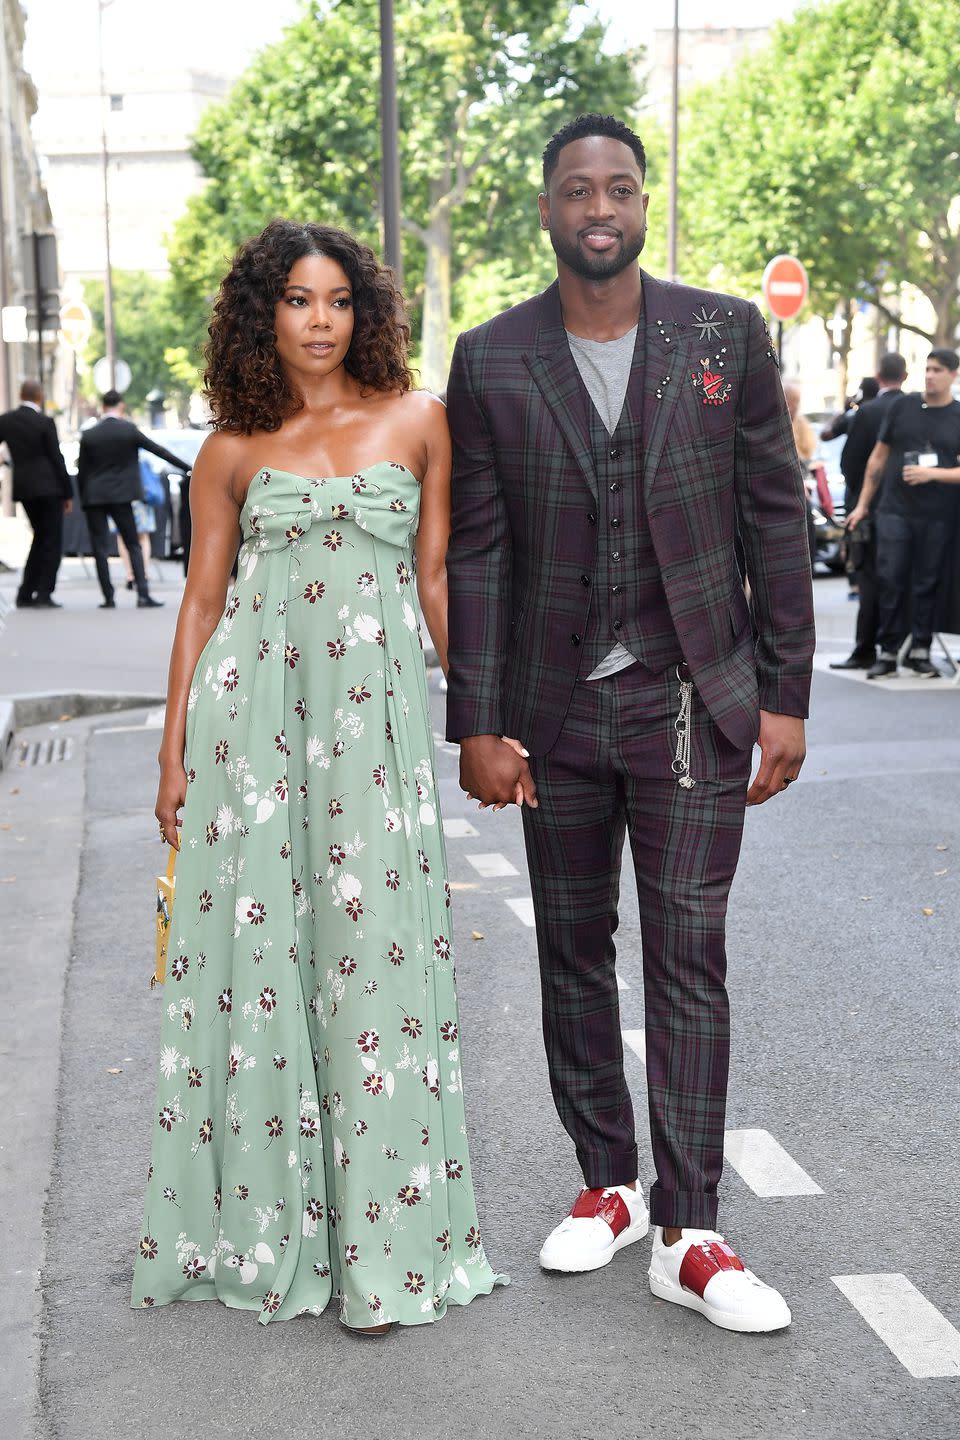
x: 281, y: 507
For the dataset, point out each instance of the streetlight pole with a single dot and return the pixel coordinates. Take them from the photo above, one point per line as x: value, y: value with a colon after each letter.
x: 389, y: 142
x: 674, y: 132
x: 108, y: 328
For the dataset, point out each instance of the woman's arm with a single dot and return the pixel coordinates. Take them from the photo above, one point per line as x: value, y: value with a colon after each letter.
x: 215, y: 513
x: 434, y: 531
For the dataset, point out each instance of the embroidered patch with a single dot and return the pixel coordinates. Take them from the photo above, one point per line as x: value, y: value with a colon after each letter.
x: 714, y: 388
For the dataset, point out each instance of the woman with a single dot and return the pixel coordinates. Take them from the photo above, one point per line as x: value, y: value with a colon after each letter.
x: 145, y: 519
x: 309, y: 1138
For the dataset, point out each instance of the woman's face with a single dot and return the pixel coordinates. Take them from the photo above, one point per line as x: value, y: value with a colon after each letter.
x: 314, y: 318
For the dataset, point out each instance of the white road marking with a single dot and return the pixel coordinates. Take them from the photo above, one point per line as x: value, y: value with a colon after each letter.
x: 637, y: 1040
x: 457, y: 829
x: 523, y: 908
x: 763, y: 1163
x: 922, y: 1339
x: 621, y: 983
x: 493, y: 865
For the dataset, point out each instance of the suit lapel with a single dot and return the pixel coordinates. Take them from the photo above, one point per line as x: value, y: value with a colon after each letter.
x: 556, y: 376
x: 666, y: 371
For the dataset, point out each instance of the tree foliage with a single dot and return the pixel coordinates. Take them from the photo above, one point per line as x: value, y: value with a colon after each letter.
x: 840, y: 143
x: 481, y: 85
x: 147, y: 326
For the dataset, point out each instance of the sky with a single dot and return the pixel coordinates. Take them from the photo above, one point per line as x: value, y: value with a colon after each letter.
x: 222, y: 35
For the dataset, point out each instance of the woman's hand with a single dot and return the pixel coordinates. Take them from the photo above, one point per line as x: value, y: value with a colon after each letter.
x: 171, y: 794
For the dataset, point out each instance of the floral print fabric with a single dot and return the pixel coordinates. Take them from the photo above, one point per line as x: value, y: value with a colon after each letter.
x: 309, y: 1136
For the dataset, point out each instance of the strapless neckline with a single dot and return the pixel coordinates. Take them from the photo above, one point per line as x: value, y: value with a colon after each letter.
x: 325, y: 479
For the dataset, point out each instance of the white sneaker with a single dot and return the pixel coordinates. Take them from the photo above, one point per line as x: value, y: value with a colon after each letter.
x: 702, y: 1273
x: 600, y: 1223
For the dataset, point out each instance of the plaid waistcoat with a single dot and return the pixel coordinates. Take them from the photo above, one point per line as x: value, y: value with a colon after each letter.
x: 628, y: 602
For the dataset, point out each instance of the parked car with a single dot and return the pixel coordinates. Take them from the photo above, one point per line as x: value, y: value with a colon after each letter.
x: 173, y: 522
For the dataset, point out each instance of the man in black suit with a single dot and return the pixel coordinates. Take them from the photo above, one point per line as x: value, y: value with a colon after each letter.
x: 861, y: 438
x: 42, y: 486
x: 108, y: 477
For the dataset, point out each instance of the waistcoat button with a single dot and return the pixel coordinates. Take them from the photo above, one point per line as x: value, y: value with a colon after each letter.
x: 615, y: 453
x: 591, y: 518
x: 584, y: 579
x: 574, y: 639
x: 615, y: 487
x: 617, y: 624
x: 615, y: 522
x: 614, y: 554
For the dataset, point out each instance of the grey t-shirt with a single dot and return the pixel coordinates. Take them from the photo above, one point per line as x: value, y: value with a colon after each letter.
x: 604, y: 367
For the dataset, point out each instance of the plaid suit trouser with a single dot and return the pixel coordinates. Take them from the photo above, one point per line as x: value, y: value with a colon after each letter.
x: 610, y: 773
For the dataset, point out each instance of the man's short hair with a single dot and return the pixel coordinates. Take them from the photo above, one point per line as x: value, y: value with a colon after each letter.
x: 587, y: 125
x: 892, y: 368
x: 949, y: 359
x: 110, y: 398
x: 32, y: 390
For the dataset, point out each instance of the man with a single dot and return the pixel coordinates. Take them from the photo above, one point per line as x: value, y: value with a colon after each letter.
x: 861, y: 438
x: 841, y: 422
x: 609, y: 435
x: 42, y: 486
x: 915, y: 465
x: 108, y: 477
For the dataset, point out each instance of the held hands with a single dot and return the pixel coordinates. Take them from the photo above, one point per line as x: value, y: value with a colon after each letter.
x: 494, y: 771
x: 782, y: 753
x: 171, y: 794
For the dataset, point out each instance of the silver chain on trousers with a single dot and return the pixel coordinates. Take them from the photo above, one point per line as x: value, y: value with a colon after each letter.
x: 681, y: 760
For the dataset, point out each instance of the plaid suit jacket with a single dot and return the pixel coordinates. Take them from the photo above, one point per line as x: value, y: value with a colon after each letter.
x: 524, y: 514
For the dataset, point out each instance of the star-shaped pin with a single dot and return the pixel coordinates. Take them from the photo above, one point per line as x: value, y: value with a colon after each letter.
x: 706, y: 324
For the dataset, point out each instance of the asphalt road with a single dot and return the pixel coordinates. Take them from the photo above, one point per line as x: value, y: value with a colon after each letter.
x: 844, y: 995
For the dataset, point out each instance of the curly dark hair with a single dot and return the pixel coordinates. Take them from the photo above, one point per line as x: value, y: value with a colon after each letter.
x: 244, y: 383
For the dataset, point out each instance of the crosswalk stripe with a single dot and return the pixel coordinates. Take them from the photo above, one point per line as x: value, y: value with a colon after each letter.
x: 922, y: 1339
x: 637, y: 1040
x: 457, y: 829
x: 493, y: 865
x: 766, y: 1167
x: 523, y: 908
x: 621, y: 983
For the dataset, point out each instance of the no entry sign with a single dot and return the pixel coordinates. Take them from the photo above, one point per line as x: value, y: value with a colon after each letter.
x: 785, y: 286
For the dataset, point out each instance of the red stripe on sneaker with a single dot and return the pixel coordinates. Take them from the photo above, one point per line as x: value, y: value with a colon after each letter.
x: 594, y: 1204
x: 702, y: 1262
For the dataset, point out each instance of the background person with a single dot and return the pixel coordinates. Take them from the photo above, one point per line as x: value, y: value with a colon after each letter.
x: 108, y: 478
x: 861, y: 541
x: 42, y: 486
x: 915, y: 465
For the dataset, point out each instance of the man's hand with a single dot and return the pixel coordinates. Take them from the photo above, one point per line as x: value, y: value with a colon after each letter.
x: 857, y: 514
x: 495, y: 772
x: 782, y: 753
x: 918, y: 474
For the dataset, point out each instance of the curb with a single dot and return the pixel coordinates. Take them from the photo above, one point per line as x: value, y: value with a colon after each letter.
x: 7, y: 726
x: 44, y: 706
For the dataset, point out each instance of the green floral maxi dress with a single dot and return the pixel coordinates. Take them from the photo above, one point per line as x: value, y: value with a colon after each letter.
x: 309, y: 1135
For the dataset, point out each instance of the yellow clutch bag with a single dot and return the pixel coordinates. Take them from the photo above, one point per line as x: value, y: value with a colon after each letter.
x: 165, y: 888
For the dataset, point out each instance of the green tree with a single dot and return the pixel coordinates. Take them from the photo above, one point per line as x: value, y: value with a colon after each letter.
x: 840, y: 143
x: 482, y: 83
x: 148, y: 330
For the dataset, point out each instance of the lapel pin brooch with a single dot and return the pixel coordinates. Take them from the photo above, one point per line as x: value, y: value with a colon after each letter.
x: 708, y: 325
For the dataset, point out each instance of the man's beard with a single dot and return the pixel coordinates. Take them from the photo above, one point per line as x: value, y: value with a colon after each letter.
x: 599, y: 267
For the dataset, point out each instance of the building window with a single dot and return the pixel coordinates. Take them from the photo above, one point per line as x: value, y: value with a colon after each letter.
x: 116, y: 102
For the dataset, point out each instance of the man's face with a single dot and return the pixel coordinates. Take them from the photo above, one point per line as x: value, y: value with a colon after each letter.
x: 595, y: 208
x: 938, y: 380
